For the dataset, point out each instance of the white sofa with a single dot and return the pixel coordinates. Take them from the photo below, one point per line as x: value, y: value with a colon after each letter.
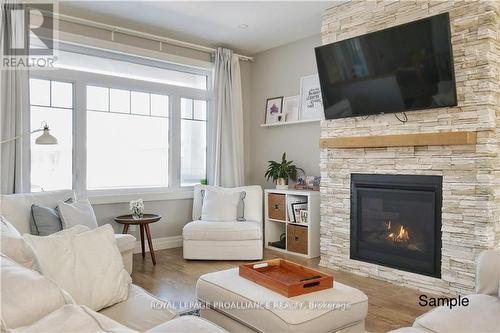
x: 238, y: 240
x: 47, y: 312
x: 482, y: 314
x: 16, y: 208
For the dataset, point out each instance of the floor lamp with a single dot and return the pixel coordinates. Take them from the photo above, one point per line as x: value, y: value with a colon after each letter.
x: 45, y: 139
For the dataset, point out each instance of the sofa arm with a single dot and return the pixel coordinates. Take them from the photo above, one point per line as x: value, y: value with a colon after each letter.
x: 126, y: 245
x: 488, y: 273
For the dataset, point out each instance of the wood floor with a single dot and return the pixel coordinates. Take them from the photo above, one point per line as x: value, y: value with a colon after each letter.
x: 174, y: 278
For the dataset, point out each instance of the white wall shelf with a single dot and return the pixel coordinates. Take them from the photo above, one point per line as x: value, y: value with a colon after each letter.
x: 291, y: 122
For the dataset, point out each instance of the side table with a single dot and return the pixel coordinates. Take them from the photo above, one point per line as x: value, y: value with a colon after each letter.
x: 143, y: 224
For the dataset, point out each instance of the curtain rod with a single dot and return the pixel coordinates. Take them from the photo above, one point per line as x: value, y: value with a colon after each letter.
x: 136, y: 33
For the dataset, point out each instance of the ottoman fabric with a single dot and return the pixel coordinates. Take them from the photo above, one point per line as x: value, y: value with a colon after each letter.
x: 227, y: 286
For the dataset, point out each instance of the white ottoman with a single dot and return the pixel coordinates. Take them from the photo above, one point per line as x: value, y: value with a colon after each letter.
x: 340, y: 309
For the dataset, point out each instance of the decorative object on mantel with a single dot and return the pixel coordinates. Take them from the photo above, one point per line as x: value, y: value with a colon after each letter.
x: 137, y: 209
x: 401, y: 140
x: 281, y: 172
x: 311, y: 103
x: 274, y: 108
x: 291, y: 108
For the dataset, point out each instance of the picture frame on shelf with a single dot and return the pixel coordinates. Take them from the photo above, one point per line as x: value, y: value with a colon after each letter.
x: 304, y: 216
x: 311, y: 102
x: 274, y: 107
x: 291, y: 108
x: 296, y: 209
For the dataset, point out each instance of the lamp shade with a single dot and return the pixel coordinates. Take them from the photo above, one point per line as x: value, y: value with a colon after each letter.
x: 46, y: 138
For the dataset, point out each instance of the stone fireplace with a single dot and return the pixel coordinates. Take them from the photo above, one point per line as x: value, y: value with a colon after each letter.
x: 396, y: 221
x: 469, y: 174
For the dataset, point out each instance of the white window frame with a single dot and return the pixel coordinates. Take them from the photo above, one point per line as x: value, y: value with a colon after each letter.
x: 80, y: 81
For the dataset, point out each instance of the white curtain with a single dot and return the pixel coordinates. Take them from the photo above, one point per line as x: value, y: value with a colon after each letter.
x: 228, y: 166
x: 14, y: 87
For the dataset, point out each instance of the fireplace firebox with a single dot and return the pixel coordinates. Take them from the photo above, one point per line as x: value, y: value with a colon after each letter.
x: 396, y: 221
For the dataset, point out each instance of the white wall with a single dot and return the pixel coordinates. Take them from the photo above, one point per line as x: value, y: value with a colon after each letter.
x: 277, y: 72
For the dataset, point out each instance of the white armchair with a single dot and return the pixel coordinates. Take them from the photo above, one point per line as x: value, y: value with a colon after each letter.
x: 482, y: 314
x: 238, y: 240
x: 16, y: 208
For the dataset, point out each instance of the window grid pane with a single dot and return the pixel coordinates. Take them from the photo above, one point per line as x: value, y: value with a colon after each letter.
x: 128, y: 150
x: 52, y: 165
x: 193, y: 141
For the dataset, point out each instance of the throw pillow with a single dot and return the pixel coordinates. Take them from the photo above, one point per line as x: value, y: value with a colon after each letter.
x: 80, y: 212
x: 220, y: 206
x: 44, y: 221
x: 87, y: 265
x: 75, y: 318
x: 15, y: 247
x: 27, y: 296
x: 240, y: 216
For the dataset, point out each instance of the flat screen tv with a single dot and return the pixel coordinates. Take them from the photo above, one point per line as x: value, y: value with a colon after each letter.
x: 404, y: 68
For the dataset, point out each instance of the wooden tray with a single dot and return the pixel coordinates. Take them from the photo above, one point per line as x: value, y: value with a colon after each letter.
x: 285, y: 277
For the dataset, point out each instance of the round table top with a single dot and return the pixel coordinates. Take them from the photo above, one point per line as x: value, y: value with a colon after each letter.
x: 128, y: 219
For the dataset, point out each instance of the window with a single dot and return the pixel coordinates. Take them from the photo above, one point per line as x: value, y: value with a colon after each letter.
x: 127, y: 139
x: 143, y: 131
x: 193, y: 141
x: 51, y: 165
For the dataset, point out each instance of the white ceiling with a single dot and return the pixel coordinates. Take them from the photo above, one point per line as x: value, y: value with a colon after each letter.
x: 211, y: 23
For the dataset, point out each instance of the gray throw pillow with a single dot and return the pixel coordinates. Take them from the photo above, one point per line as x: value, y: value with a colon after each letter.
x: 45, y: 221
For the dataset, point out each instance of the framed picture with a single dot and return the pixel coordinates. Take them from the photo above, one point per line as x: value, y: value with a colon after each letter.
x: 273, y: 109
x: 296, y: 208
x: 304, y: 216
x: 311, y: 104
x: 291, y: 108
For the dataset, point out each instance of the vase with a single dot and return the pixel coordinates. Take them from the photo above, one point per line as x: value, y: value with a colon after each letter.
x: 282, y: 184
x: 137, y: 216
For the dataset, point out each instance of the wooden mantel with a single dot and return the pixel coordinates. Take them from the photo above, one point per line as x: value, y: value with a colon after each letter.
x: 401, y: 140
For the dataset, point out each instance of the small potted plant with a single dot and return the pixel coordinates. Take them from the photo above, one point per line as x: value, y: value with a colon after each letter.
x: 281, y: 172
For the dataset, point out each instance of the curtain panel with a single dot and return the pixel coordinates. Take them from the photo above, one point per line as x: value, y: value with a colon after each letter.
x: 14, y: 101
x: 228, y: 165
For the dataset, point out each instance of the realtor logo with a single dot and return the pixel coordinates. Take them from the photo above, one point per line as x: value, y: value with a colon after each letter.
x: 27, y: 35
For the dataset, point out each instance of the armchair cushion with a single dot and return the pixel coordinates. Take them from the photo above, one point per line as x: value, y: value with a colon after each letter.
x: 488, y: 273
x: 222, y: 231
x: 481, y: 315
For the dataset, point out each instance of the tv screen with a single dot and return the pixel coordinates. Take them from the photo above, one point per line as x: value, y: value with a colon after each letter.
x: 404, y: 68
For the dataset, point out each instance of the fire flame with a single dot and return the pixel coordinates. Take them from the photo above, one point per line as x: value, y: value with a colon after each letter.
x: 401, y: 236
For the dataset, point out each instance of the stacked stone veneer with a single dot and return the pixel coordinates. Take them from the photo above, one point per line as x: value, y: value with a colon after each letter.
x: 471, y: 173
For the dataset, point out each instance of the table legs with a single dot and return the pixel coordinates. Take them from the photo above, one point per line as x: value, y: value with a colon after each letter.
x: 141, y: 227
x: 144, y: 228
x: 150, y: 243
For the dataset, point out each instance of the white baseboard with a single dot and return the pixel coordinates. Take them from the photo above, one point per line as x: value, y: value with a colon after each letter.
x: 161, y: 243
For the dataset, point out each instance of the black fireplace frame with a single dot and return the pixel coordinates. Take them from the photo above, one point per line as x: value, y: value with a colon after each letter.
x: 398, y: 182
